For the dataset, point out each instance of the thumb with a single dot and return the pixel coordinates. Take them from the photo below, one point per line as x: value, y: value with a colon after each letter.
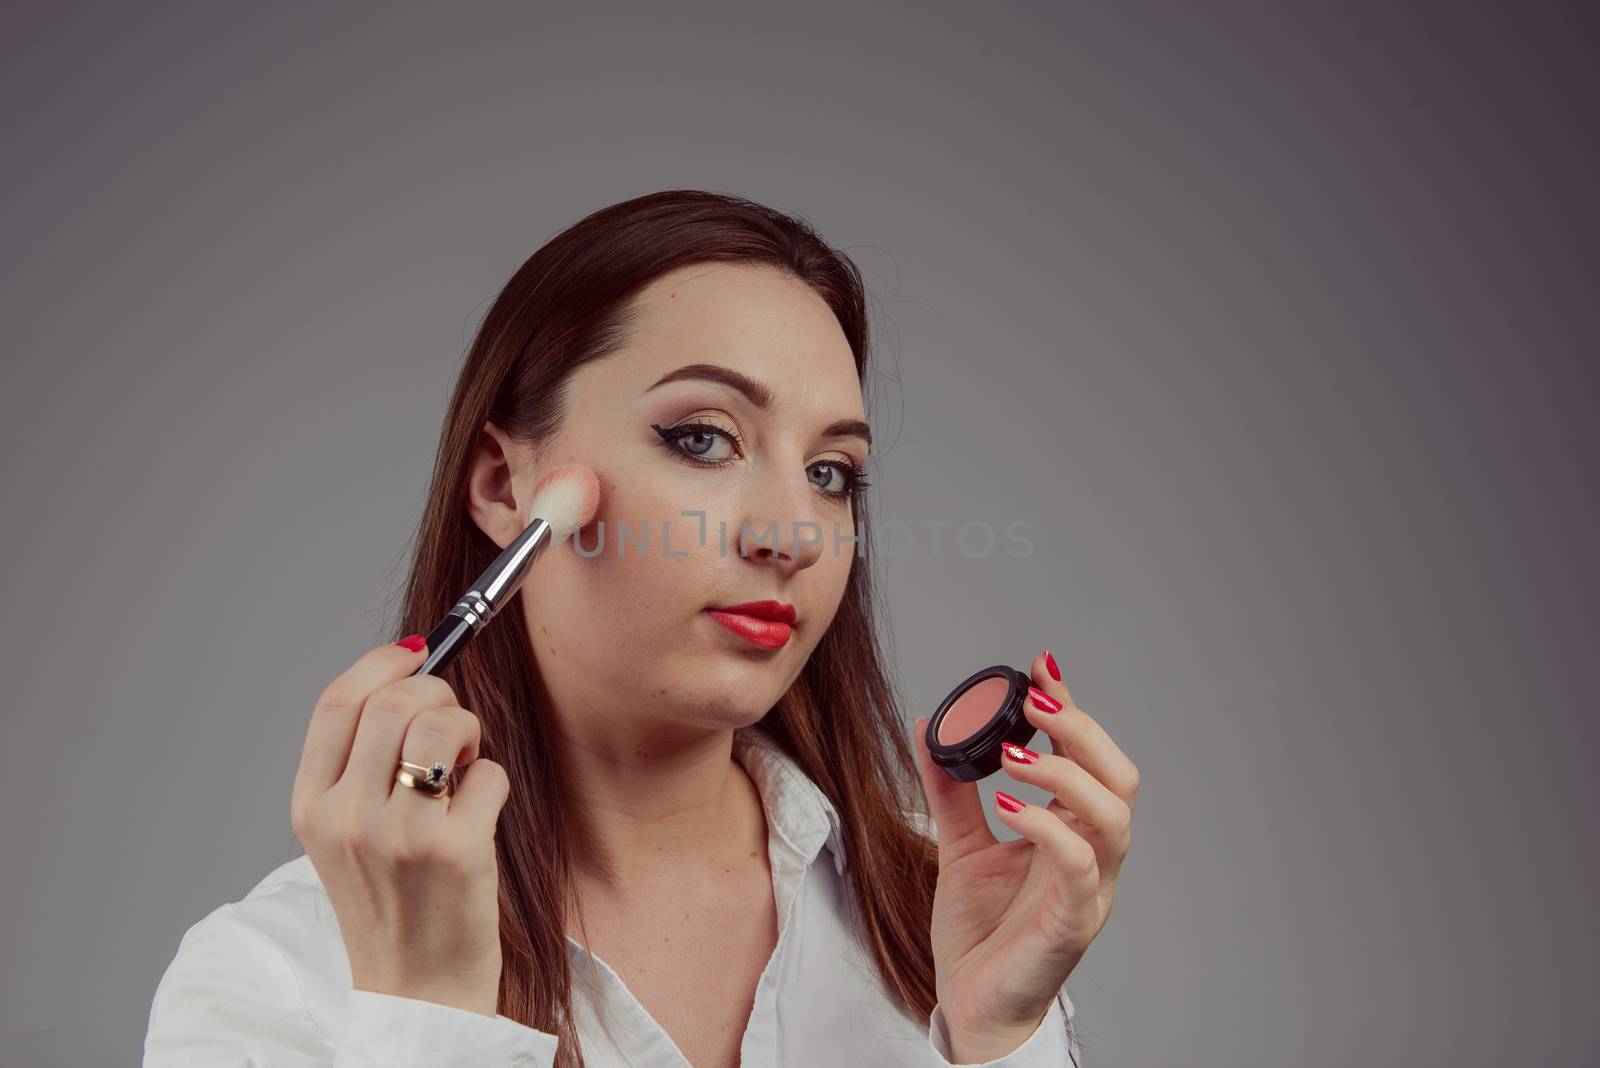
x: 956, y: 808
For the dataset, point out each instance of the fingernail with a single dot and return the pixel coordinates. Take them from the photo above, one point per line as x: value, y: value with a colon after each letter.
x: 414, y: 642
x: 1021, y: 754
x: 1007, y: 802
x: 1050, y: 666
x: 1043, y: 700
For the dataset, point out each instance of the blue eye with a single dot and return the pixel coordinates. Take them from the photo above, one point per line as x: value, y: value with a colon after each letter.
x: 694, y: 443
x: 853, y: 482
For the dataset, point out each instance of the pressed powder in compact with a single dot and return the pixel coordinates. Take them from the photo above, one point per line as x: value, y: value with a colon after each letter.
x: 965, y: 731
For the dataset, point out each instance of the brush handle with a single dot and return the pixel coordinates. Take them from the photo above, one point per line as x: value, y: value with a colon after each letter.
x: 446, y: 641
x: 488, y: 595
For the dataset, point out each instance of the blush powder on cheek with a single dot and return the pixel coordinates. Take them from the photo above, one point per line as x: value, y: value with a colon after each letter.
x: 972, y: 710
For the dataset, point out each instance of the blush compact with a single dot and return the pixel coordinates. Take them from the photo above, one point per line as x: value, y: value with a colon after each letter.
x: 965, y: 731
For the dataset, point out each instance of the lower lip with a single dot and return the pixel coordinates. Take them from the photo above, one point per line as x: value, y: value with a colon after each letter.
x: 767, y: 633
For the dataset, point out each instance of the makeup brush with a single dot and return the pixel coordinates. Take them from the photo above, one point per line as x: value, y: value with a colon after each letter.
x: 564, y: 500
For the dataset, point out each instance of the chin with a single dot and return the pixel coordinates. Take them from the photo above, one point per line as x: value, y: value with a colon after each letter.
x: 721, y: 690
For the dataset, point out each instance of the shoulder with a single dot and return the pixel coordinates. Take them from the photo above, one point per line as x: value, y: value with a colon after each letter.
x: 288, y: 908
x: 273, y: 956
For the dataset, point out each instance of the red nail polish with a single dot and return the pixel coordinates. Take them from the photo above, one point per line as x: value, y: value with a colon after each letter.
x: 414, y: 642
x: 1050, y: 666
x: 1020, y: 753
x: 1043, y: 700
x: 1007, y: 802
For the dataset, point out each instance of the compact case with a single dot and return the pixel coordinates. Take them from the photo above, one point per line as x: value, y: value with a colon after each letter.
x: 975, y: 717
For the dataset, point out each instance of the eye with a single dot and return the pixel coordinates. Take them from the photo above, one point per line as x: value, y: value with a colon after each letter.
x: 839, y: 480
x: 697, y: 442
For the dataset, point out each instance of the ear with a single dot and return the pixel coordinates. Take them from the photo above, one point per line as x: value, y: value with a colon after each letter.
x: 499, y: 485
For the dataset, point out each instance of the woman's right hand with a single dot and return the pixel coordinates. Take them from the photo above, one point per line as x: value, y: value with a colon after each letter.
x: 413, y: 879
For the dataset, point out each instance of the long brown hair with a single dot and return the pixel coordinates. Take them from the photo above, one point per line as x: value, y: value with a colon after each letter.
x: 568, y: 304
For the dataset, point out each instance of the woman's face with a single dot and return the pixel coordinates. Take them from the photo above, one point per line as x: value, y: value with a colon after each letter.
x: 621, y: 629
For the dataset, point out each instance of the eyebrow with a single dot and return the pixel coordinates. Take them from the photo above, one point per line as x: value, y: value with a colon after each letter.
x: 757, y: 393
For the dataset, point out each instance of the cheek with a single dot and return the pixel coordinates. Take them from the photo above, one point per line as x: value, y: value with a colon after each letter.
x: 833, y: 576
x: 622, y: 596
x: 675, y: 528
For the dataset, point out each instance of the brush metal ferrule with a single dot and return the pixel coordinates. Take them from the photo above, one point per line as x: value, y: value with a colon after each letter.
x: 492, y: 592
x: 502, y: 578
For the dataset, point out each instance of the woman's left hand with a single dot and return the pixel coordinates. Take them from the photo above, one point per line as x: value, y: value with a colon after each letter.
x: 1012, y: 919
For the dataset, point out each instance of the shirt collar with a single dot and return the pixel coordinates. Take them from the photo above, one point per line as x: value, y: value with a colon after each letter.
x: 797, y: 809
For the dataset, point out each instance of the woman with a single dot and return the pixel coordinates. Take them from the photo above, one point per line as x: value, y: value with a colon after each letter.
x: 679, y: 837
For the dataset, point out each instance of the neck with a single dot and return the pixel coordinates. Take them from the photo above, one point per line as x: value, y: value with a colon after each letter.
x: 660, y: 807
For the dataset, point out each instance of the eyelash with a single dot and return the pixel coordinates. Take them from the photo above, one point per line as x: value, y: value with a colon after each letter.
x: 671, y: 436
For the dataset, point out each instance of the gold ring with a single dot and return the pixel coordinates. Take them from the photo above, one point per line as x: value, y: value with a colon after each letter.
x: 432, y: 780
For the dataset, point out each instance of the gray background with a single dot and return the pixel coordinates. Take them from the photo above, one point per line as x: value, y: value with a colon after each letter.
x: 1273, y: 321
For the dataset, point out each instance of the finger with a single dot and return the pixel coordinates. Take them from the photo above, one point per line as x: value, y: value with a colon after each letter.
x: 955, y: 806
x: 338, y: 710
x: 1050, y: 681
x: 1075, y: 733
x: 381, y: 730
x: 481, y: 795
x: 1099, y: 816
x: 448, y: 734
x: 1072, y: 857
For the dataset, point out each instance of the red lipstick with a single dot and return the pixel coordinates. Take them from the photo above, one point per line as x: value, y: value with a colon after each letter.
x: 762, y: 623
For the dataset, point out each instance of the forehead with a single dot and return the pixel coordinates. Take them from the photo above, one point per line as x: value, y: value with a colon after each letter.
x: 757, y: 320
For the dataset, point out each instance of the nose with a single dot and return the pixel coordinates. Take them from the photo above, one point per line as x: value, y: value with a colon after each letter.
x: 780, y: 525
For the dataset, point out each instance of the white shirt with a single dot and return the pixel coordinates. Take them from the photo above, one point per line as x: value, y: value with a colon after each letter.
x: 265, y: 981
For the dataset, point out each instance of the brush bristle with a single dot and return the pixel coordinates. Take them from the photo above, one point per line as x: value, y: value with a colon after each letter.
x: 566, y: 498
